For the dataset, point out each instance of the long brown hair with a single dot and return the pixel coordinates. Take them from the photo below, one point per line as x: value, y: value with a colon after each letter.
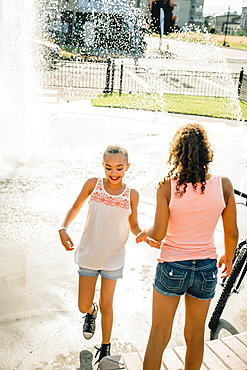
x: 190, y: 155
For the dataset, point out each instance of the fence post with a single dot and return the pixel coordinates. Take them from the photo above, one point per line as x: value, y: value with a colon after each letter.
x: 112, y: 75
x: 121, y: 79
x: 240, y: 81
x: 108, y: 75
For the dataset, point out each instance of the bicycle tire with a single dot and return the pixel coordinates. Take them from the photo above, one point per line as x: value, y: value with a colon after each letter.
x: 223, y: 324
x: 237, y: 251
x: 239, y: 248
x: 239, y: 262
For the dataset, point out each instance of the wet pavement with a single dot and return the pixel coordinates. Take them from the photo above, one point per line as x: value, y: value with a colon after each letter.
x: 43, y: 168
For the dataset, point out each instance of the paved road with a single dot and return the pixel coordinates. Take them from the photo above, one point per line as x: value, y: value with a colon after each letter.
x: 192, y: 55
x: 236, y: 59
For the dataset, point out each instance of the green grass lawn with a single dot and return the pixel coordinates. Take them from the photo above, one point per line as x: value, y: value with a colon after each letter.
x: 243, y: 106
x: 235, y: 46
x: 183, y: 104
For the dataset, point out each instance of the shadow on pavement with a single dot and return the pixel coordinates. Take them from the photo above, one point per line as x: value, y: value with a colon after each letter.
x: 107, y: 363
x: 86, y: 358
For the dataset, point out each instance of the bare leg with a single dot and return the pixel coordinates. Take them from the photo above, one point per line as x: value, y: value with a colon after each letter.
x: 163, y: 312
x: 196, y: 313
x: 86, y: 293
x: 106, y: 308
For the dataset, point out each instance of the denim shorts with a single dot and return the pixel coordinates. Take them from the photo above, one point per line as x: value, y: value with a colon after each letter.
x: 107, y: 274
x: 196, y: 278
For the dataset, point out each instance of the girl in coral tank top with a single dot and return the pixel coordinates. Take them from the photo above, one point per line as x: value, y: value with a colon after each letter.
x: 189, y: 204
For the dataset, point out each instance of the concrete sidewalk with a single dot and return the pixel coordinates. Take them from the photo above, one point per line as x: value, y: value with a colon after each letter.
x: 40, y: 324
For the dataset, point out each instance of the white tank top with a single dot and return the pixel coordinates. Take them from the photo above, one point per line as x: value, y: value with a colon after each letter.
x: 106, y: 231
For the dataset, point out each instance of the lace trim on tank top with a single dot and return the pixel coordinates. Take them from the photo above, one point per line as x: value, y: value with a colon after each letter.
x: 99, y: 195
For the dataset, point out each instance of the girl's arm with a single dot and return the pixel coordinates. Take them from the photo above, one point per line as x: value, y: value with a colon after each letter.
x: 73, y: 211
x: 159, y: 228
x: 133, y: 218
x: 229, y: 218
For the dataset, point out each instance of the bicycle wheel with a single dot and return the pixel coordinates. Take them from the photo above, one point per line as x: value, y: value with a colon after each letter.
x: 223, y: 329
x: 238, y: 250
x: 239, y: 262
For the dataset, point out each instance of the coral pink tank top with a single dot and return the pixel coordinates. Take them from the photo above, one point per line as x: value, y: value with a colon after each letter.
x: 192, y: 221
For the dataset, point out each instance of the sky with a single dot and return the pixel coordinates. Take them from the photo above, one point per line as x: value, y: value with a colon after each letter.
x: 221, y: 6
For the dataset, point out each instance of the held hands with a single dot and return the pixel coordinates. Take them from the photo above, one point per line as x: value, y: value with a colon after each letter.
x: 141, y: 237
x: 227, y: 270
x: 153, y: 243
x: 65, y: 240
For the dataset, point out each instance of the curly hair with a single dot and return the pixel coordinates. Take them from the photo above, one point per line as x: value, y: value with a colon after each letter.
x: 190, y: 155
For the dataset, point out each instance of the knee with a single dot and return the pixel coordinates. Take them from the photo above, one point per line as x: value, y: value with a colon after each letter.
x: 105, y: 307
x: 160, y: 335
x: 84, y: 307
x: 194, y: 336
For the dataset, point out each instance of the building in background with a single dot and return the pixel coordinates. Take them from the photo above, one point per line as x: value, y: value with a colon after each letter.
x: 185, y: 12
x: 232, y: 26
x: 229, y: 24
x: 243, y: 20
x: 63, y: 14
x: 189, y: 12
x: 68, y: 19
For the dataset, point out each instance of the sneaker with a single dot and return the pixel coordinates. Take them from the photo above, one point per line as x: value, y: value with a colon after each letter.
x: 89, y: 323
x: 103, y: 351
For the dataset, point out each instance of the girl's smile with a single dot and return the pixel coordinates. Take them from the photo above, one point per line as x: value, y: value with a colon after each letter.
x: 115, y: 166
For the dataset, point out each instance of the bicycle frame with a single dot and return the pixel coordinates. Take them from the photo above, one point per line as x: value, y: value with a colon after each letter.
x: 238, y: 272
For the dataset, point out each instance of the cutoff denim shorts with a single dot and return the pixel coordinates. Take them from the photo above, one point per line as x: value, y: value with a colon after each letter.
x: 107, y: 274
x: 196, y: 278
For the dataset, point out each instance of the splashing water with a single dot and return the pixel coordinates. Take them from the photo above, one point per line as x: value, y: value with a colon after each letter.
x: 18, y: 76
x: 20, y: 79
x: 36, y: 197
x: 192, y: 50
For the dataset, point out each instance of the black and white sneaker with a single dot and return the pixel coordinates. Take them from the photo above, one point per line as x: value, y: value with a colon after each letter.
x: 89, y: 323
x: 103, y: 351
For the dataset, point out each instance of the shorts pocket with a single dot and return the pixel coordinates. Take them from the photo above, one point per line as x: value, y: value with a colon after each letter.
x: 209, y: 280
x: 171, y: 278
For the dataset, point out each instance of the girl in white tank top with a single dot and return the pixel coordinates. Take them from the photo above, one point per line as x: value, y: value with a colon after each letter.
x: 112, y: 212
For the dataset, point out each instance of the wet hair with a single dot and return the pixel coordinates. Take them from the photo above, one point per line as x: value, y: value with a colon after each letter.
x: 115, y: 149
x: 189, y: 156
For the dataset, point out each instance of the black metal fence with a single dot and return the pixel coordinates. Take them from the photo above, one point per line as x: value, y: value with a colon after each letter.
x: 116, y: 76
x: 242, y: 87
x: 76, y: 75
